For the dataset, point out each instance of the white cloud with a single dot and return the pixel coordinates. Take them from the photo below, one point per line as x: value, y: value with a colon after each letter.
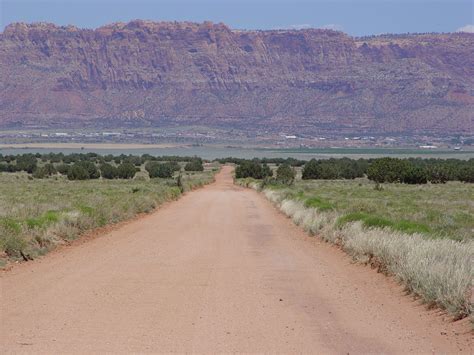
x: 467, y: 28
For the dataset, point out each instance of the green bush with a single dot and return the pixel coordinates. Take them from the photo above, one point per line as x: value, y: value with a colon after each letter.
x: 194, y: 165
x: 77, y: 172
x: 160, y: 170
x: 466, y: 174
x: 83, y: 170
x: 108, y: 171
x: 397, y: 170
x: 253, y: 169
x: 285, y: 174
x: 26, y: 162
x: 63, y: 169
x: 126, y: 170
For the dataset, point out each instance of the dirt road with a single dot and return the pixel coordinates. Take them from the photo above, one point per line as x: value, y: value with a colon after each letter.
x: 220, y: 270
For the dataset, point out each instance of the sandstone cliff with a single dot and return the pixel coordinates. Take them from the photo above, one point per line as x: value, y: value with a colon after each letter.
x: 150, y: 74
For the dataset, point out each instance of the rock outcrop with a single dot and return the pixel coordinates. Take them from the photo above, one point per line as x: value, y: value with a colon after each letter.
x: 156, y: 74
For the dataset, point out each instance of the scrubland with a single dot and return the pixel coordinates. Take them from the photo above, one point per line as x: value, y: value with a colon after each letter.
x: 38, y: 214
x: 423, y: 235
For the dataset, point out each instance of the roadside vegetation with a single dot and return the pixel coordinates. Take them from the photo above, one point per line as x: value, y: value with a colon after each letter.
x: 408, y: 171
x: 392, y: 214
x: 74, y: 194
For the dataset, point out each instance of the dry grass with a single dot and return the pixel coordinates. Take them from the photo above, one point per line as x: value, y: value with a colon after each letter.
x: 36, y: 215
x: 439, y: 270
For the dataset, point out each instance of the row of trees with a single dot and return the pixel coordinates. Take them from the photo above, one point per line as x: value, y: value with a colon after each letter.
x: 380, y: 170
x: 93, y: 166
x: 278, y: 161
x: 285, y: 173
x: 56, y: 158
x: 417, y: 171
x: 332, y: 169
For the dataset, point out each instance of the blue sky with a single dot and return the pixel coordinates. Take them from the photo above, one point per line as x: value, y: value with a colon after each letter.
x: 356, y: 17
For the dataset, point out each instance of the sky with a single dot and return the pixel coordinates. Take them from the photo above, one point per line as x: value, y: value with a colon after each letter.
x: 356, y: 17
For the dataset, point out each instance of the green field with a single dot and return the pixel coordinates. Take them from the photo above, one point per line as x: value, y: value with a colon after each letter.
x: 38, y: 214
x: 441, y: 210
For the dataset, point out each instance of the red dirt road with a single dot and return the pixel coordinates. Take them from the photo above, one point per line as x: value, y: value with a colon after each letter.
x: 220, y: 270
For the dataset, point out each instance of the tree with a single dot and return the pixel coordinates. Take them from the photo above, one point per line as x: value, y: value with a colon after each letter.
x: 413, y: 175
x: 62, y: 169
x: 40, y: 173
x: 49, y: 169
x: 159, y: 170
x: 285, y: 174
x: 437, y: 174
x: 26, y: 162
x: 466, y: 173
x: 311, y: 170
x: 174, y: 165
x: 126, y: 170
x: 252, y: 169
x: 108, y: 171
x: 91, y: 169
x: 387, y: 169
x: 194, y: 165
x: 77, y: 172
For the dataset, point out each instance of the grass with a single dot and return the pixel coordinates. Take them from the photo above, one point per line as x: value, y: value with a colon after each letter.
x: 318, y: 203
x: 36, y: 215
x: 422, y: 235
x: 440, y: 211
x: 372, y: 221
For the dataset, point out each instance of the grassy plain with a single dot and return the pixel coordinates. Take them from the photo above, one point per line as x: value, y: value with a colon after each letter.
x: 441, y: 210
x: 36, y: 215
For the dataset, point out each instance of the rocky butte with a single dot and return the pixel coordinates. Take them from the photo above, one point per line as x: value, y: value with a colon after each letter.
x: 143, y: 73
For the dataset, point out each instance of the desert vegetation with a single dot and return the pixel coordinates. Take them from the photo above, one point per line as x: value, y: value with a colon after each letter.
x: 420, y: 231
x: 46, y: 200
x: 407, y: 171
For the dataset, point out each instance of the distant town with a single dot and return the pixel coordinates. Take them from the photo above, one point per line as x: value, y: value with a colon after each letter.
x: 207, y: 136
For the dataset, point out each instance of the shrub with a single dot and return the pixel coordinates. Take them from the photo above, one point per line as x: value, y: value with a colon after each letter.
x: 253, y: 169
x: 126, y: 170
x: 385, y: 170
x: 311, y: 170
x: 108, y: 171
x: 413, y: 175
x: 39, y: 173
x: 62, y: 169
x: 26, y: 162
x: 416, y: 171
x: 94, y: 173
x: 285, y: 174
x: 331, y: 169
x: 159, y: 170
x: 466, y: 174
x: 77, y: 172
x: 194, y: 165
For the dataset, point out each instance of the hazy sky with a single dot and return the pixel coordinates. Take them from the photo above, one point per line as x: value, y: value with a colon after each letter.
x: 357, y: 17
